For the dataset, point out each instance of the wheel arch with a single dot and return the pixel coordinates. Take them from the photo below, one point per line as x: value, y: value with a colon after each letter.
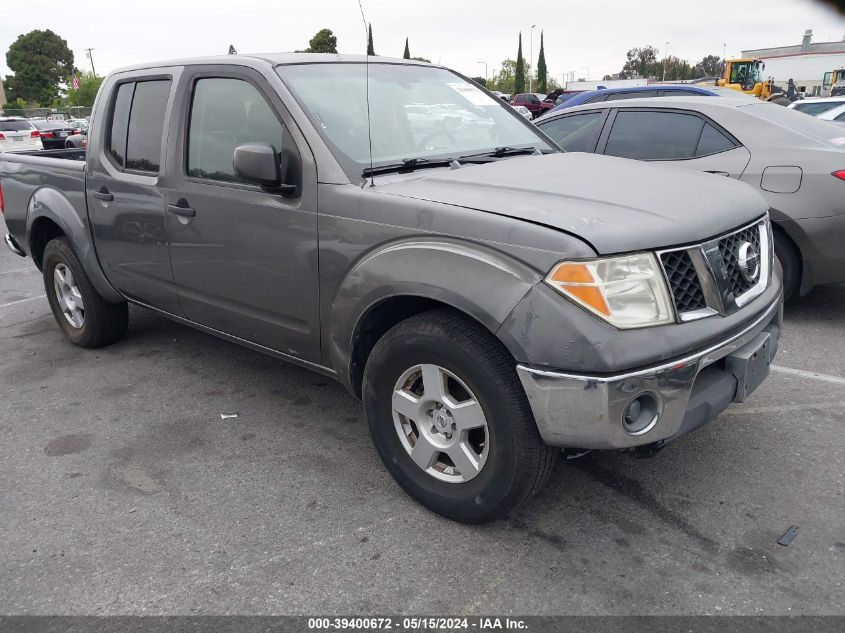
x: 51, y: 214
x: 407, y: 278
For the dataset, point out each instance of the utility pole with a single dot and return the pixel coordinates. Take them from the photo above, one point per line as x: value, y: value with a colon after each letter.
x: 485, y: 70
x: 665, y: 58
x: 531, y: 62
x: 91, y: 57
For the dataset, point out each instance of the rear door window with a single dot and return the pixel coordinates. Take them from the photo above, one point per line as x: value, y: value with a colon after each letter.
x: 576, y: 133
x: 650, y: 135
x: 146, y: 123
x: 120, y: 122
x: 137, y: 123
x: 643, y: 94
x: 712, y: 141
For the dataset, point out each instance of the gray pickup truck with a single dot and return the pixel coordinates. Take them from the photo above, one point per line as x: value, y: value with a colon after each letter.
x: 489, y: 298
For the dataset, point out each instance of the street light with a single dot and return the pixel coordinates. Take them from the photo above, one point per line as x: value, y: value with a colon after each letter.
x: 485, y: 70
x: 665, y: 58
x: 588, y: 71
x: 531, y: 61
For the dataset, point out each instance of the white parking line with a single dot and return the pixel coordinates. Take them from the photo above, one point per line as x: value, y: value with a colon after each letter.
x: 808, y: 374
x: 14, y: 303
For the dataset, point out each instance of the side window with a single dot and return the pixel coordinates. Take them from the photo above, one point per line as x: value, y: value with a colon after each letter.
x: 643, y: 94
x: 575, y: 133
x: 654, y: 135
x: 146, y: 122
x: 712, y: 141
x: 120, y: 122
x: 226, y: 113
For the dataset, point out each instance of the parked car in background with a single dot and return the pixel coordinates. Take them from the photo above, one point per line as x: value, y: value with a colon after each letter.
x: 524, y: 111
x: 80, y: 126
x: 76, y: 141
x: 16, y: 133
x: 815, y: 107
x: 488, y: 297
x: 53, y: 132
x: 635, y: 92
x: 566, y: 96
x: 797, y: 162
x: 837, y: 115
x: 533, y: 101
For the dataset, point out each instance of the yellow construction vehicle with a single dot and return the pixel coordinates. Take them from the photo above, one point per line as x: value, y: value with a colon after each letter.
x: 834, y: 83
x: 746, y: 75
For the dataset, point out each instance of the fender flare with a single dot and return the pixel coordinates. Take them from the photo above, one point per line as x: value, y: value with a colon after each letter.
x: 51, y: 204
x: 482, y: 282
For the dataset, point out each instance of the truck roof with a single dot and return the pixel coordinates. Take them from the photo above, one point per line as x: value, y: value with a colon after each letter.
x: 275, y: 59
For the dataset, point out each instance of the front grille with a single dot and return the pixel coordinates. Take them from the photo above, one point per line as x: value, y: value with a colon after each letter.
x: 683, y: 281
x: 729, y: 250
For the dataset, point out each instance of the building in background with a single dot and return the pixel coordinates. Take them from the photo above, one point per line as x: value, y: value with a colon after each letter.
x: 606, y: 83
x: 805, y: 63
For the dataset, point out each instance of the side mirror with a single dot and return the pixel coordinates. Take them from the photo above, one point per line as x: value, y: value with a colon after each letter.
x: 259, y: 164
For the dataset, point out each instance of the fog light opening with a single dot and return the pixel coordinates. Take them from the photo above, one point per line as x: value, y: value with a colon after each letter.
x: 640, y: 414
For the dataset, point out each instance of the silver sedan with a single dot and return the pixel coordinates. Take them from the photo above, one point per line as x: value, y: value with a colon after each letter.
x: 797, y: 162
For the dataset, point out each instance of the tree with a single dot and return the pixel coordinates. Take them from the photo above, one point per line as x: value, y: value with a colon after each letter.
x: 542, y: 72
x: 232, y: 50
x: 642, y: 62
x: 519, y: 74
x: 711, y: 66
x: 503, y: 80
x: 407, y: 53
x: 324, y: 41
x: 421, y: 59
x: 481, y: 81
x: 370, y: 48
x: 41, y: 61
x: 89, y: 84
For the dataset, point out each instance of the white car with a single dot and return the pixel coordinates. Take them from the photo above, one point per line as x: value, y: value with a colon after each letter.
x: 524, y: 111
x: 817, y: 106
x: 16, y: 133
x: 837, y: 114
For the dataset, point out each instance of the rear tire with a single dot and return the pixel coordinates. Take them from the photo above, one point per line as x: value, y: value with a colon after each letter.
x: 790, y: 261
x: 84, y: 317
x: 476, y: 375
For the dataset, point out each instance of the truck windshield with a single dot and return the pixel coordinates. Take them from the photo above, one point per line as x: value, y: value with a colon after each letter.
x: 418, y: 112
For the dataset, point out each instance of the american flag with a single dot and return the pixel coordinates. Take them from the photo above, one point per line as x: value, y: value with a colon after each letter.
x: 75, y: 82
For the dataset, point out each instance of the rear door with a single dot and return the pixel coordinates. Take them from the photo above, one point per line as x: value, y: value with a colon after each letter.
x: 244, y: 259
x: 576, y: 132
x: 125, y: 188
x: 680, y: 137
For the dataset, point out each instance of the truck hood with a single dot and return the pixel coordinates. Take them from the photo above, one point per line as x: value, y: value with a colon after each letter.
x: 615, y: 204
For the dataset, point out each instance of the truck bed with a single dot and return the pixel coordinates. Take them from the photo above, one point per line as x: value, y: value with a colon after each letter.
x: 52, y: 181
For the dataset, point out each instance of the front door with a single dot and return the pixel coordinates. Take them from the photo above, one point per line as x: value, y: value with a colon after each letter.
x: 125, y: 192
x: 244, y: 259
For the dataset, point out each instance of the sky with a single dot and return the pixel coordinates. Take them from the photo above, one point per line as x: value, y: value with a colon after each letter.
x: 582, y: 35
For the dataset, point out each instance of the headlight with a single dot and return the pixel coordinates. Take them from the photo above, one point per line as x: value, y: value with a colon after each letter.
x: 627, y: 291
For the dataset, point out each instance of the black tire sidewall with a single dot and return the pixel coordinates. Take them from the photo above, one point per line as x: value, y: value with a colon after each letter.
x: 790, y: 264
x: 469, y: 501
x: 59, y: 252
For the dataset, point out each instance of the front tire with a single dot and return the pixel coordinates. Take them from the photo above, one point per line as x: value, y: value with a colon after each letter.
x: 790, y: 261
x: 84, y: 317
x: 450, y: 419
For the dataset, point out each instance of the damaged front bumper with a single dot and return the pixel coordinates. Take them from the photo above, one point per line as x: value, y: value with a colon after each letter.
x: 599, y: 412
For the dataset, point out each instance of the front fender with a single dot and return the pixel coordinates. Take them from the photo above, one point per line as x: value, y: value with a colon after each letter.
x: 61, y: 208
x: 480, y: 281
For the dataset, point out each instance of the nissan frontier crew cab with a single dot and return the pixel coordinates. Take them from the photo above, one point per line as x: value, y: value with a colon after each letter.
x: 490, y: 298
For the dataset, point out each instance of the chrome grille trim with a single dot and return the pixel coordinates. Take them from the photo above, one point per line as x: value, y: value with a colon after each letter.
x: 717, y: 278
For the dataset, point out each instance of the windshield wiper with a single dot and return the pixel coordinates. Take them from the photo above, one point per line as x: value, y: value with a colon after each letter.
x: 408, y: 165
x: 501, y: 152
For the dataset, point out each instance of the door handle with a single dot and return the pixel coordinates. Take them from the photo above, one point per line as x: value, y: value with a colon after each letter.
x: 182, y: 210
x: 718, y: 173
x: 102, y: 194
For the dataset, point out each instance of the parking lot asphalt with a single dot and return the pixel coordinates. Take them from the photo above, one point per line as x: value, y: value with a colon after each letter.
x: 124, y: 492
